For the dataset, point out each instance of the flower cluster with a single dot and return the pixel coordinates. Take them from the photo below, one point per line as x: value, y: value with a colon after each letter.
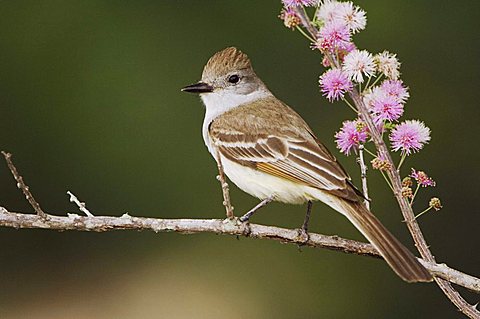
x: 338, y: 21
x: 377, y: 77
x: 422, y: 178
x: 381, y: 164
x: 435, y: 203
x: 369, y: 83
x: 351, y: 135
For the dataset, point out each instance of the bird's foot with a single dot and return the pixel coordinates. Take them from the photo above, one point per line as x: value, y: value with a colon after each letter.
x: 303, y: 237
x: 235, y: 225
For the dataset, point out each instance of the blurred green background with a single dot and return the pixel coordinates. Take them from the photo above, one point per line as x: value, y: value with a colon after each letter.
x: 90, y: 102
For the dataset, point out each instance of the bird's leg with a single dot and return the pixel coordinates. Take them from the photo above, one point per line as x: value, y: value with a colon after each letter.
x: 252, y: 211
x: 307, y: 216
x: 303, y: 232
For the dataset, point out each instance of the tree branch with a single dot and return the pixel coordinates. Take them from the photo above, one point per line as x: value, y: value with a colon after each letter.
x: 226, y: 227
x: 394, y: 175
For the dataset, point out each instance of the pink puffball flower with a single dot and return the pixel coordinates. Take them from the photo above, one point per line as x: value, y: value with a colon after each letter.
x: 350, y: 136
x: 299, y: 3
x: 409, y: 136
x: 387, y: 63
x: 344, y: 12
x: 334, y: 36
x: 395, y: 88
x: 334, y: 84
x: 354, y: 17
x: 386, y: 108
x: 371, y: 95
x: 422, y: 178
x: 358, y: 63
x: 327, y: 11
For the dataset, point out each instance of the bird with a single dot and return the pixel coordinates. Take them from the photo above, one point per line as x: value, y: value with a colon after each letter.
x: 269, y: 151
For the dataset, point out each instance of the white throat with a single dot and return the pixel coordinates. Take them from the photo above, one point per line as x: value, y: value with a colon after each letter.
x: 219, y: 102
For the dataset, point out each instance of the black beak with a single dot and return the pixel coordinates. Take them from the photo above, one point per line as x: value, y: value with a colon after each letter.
x: 199, y: 87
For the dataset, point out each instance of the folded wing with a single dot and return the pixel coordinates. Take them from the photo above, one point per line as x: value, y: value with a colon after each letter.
x: 288, y: 157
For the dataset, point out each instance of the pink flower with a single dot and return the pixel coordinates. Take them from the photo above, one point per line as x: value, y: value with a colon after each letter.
x: 345, y: 12
x: 290, y: 18
x: 328, y: 11
x: 334, y: 84
x: 354, y: 17
x: 395, y: 88
x: 351, y: 135
x: 388, y: 64
x: 422, y: 178
x: 386, y: 108
x: 409, y: 136
x: 357, y: 64
x: 334, y: 36
x: 298, y: 3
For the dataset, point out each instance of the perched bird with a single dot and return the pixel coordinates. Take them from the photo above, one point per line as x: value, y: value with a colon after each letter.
x: 271, y: 153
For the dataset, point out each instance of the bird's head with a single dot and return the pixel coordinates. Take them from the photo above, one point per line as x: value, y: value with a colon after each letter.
x: 228, y: 77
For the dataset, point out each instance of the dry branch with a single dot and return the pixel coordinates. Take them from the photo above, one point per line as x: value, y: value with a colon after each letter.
x: 21, y: 185
x: 217, y: 226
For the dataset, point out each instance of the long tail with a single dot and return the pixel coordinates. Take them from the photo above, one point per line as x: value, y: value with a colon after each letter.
x: 398, y: 257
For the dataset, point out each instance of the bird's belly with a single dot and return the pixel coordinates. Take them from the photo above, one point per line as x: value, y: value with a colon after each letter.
x: 263, y: 185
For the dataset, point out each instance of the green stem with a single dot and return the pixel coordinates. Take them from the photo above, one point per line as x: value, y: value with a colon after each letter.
x: 386, y: 180
x: 402, y: 159
x: 366, y: 85
x: 414, y: 194
x: 426, y: 210
x: 316, y: 11
x: 350, y: 105
x: 305, y: 35
x: 375, y: 82
x: 369, y: 152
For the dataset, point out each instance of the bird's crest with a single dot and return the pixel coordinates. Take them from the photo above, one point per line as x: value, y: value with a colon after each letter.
x: 226, y: 61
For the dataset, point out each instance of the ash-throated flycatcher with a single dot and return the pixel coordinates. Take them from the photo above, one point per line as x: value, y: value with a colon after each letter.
x: 269, y: 151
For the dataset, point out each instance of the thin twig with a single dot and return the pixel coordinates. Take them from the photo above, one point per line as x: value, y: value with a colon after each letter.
x: 225, y: 189
x: 407, y: 212
x: 363, y: 175
x: 21, y: 184
x: 81, y: 206
x: 218, y: 226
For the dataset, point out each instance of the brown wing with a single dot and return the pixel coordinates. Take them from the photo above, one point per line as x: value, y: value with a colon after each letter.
x: 289, y: 151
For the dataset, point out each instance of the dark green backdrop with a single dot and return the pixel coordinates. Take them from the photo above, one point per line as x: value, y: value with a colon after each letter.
x: 90, y: 102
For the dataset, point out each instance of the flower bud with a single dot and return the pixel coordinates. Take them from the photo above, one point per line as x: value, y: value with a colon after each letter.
x: 380, y: 164
x: 407, y: 182
x: 290, y: 18
x: 435, y: 203
x: 407, y: 192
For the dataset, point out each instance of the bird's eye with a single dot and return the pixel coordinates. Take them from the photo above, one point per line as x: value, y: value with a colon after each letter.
x: 233, y: 78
